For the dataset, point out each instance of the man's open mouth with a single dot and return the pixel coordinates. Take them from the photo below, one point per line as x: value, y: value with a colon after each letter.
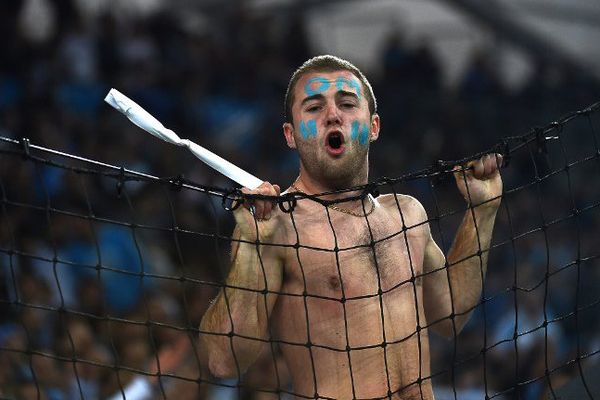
x: 335, y: 143
x: 335, y: 140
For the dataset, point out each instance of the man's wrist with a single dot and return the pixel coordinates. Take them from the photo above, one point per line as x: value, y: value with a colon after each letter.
x: 491, y: 204
x: 486, y: 210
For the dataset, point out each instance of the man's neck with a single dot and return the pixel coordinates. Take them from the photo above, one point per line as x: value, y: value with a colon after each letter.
x: 309, y: 185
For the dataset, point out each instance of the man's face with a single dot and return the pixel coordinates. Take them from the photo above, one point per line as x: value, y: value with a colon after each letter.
x: 332, y: 127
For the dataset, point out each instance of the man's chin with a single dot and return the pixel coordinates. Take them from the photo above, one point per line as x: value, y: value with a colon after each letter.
x: 338, y: 179
x: 336, y: 173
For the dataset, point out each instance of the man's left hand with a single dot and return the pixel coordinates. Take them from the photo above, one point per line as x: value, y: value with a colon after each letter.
x: 479, y: 181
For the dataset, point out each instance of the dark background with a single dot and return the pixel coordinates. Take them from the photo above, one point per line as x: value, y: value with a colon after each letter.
x: 73, y: 324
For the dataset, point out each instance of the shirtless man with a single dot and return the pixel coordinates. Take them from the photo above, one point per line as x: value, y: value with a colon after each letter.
x: 351, y: 323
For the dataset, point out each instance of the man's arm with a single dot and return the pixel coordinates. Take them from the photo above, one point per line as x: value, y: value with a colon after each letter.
x: 241, y: 308
x: 461, y: 283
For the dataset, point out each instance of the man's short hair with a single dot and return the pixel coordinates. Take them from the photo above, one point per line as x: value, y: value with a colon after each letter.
x: 327, y: 63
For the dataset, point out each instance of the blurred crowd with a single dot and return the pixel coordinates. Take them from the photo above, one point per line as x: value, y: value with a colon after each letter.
x: 91, y: 300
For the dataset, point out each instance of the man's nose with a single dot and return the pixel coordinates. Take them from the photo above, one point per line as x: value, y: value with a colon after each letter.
x: 333, y: 115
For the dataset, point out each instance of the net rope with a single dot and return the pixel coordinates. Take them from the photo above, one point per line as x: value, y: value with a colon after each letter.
x: 84, y: 277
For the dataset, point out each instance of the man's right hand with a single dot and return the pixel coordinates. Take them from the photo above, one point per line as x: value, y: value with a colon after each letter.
x: 262, y: 210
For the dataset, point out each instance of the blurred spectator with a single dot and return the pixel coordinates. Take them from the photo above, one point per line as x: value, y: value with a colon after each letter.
x: 103, y: 282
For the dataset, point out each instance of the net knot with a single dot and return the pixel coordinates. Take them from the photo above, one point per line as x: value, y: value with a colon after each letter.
x: 504, y: 149
x: 372, y: 189
x: 439, y: 165
x: 120, y: 181
x: 540, y: 140
x: 437, y: 171
x: 26, y: 151
x: 177, y: 183
x: 288, y: 203
x: 236, y: 199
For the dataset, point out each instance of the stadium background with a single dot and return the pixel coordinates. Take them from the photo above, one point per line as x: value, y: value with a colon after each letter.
x: 216, y: 73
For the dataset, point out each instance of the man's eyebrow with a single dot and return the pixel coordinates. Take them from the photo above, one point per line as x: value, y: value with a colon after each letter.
x: 320, y: 97
x: 317, y: 96
x: 345, y: 93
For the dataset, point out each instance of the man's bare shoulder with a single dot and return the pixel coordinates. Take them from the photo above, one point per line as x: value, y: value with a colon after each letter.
x: 406, y: 209
x: 404, y: 203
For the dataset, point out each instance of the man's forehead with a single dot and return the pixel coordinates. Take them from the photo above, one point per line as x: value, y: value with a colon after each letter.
x: 319, y: 82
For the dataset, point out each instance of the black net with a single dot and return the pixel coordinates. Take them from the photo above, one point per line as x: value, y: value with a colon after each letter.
x: 106, y: 273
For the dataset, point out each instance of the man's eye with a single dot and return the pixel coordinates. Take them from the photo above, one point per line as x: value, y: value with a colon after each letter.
x: 313, y: 108
x: 348, y: 105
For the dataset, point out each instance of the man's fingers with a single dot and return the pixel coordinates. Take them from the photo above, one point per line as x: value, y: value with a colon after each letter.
x: 479, y: 180
x: 261, y: 209
x: 267, y: 189
x: 496, y: 160
x: 271, y: 204
x: 492, y: 162
x: 478, y: 168
x: 485, y: 167
x: 459, y: 172
x: 488, y: 165
x: 268, y: 209
x: 499, y: 160
x: 251, y: 204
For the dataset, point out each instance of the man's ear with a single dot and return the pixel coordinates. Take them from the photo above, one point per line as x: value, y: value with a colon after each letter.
x: 375, y: 126
x: 288, y: 132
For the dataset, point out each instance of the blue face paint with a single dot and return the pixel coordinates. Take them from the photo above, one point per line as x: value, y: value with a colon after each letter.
x: 322, y: 88
x: 363, y: 137
x: 351, y: 83
x: 308, y: 129
x: 354, y: 131
x: 359, y: 132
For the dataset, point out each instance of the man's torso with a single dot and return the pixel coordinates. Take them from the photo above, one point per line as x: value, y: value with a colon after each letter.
x: 347, y: 319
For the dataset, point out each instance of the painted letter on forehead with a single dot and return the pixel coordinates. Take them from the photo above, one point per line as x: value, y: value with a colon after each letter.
x: 310, y: 89
x: 352, y: 83
x: 308, y: 129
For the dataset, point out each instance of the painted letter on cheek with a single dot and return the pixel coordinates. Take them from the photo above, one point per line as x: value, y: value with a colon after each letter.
x: 324, y: 85
x: 354, y: 131
x: 363, y: 138
x: 308, y: 129
x: 359, y: 132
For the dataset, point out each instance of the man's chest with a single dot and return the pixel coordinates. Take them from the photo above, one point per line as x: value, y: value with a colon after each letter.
x: 348, y: 256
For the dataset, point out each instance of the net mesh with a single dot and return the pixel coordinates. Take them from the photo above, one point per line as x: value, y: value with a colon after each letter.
x: 106, y: 274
